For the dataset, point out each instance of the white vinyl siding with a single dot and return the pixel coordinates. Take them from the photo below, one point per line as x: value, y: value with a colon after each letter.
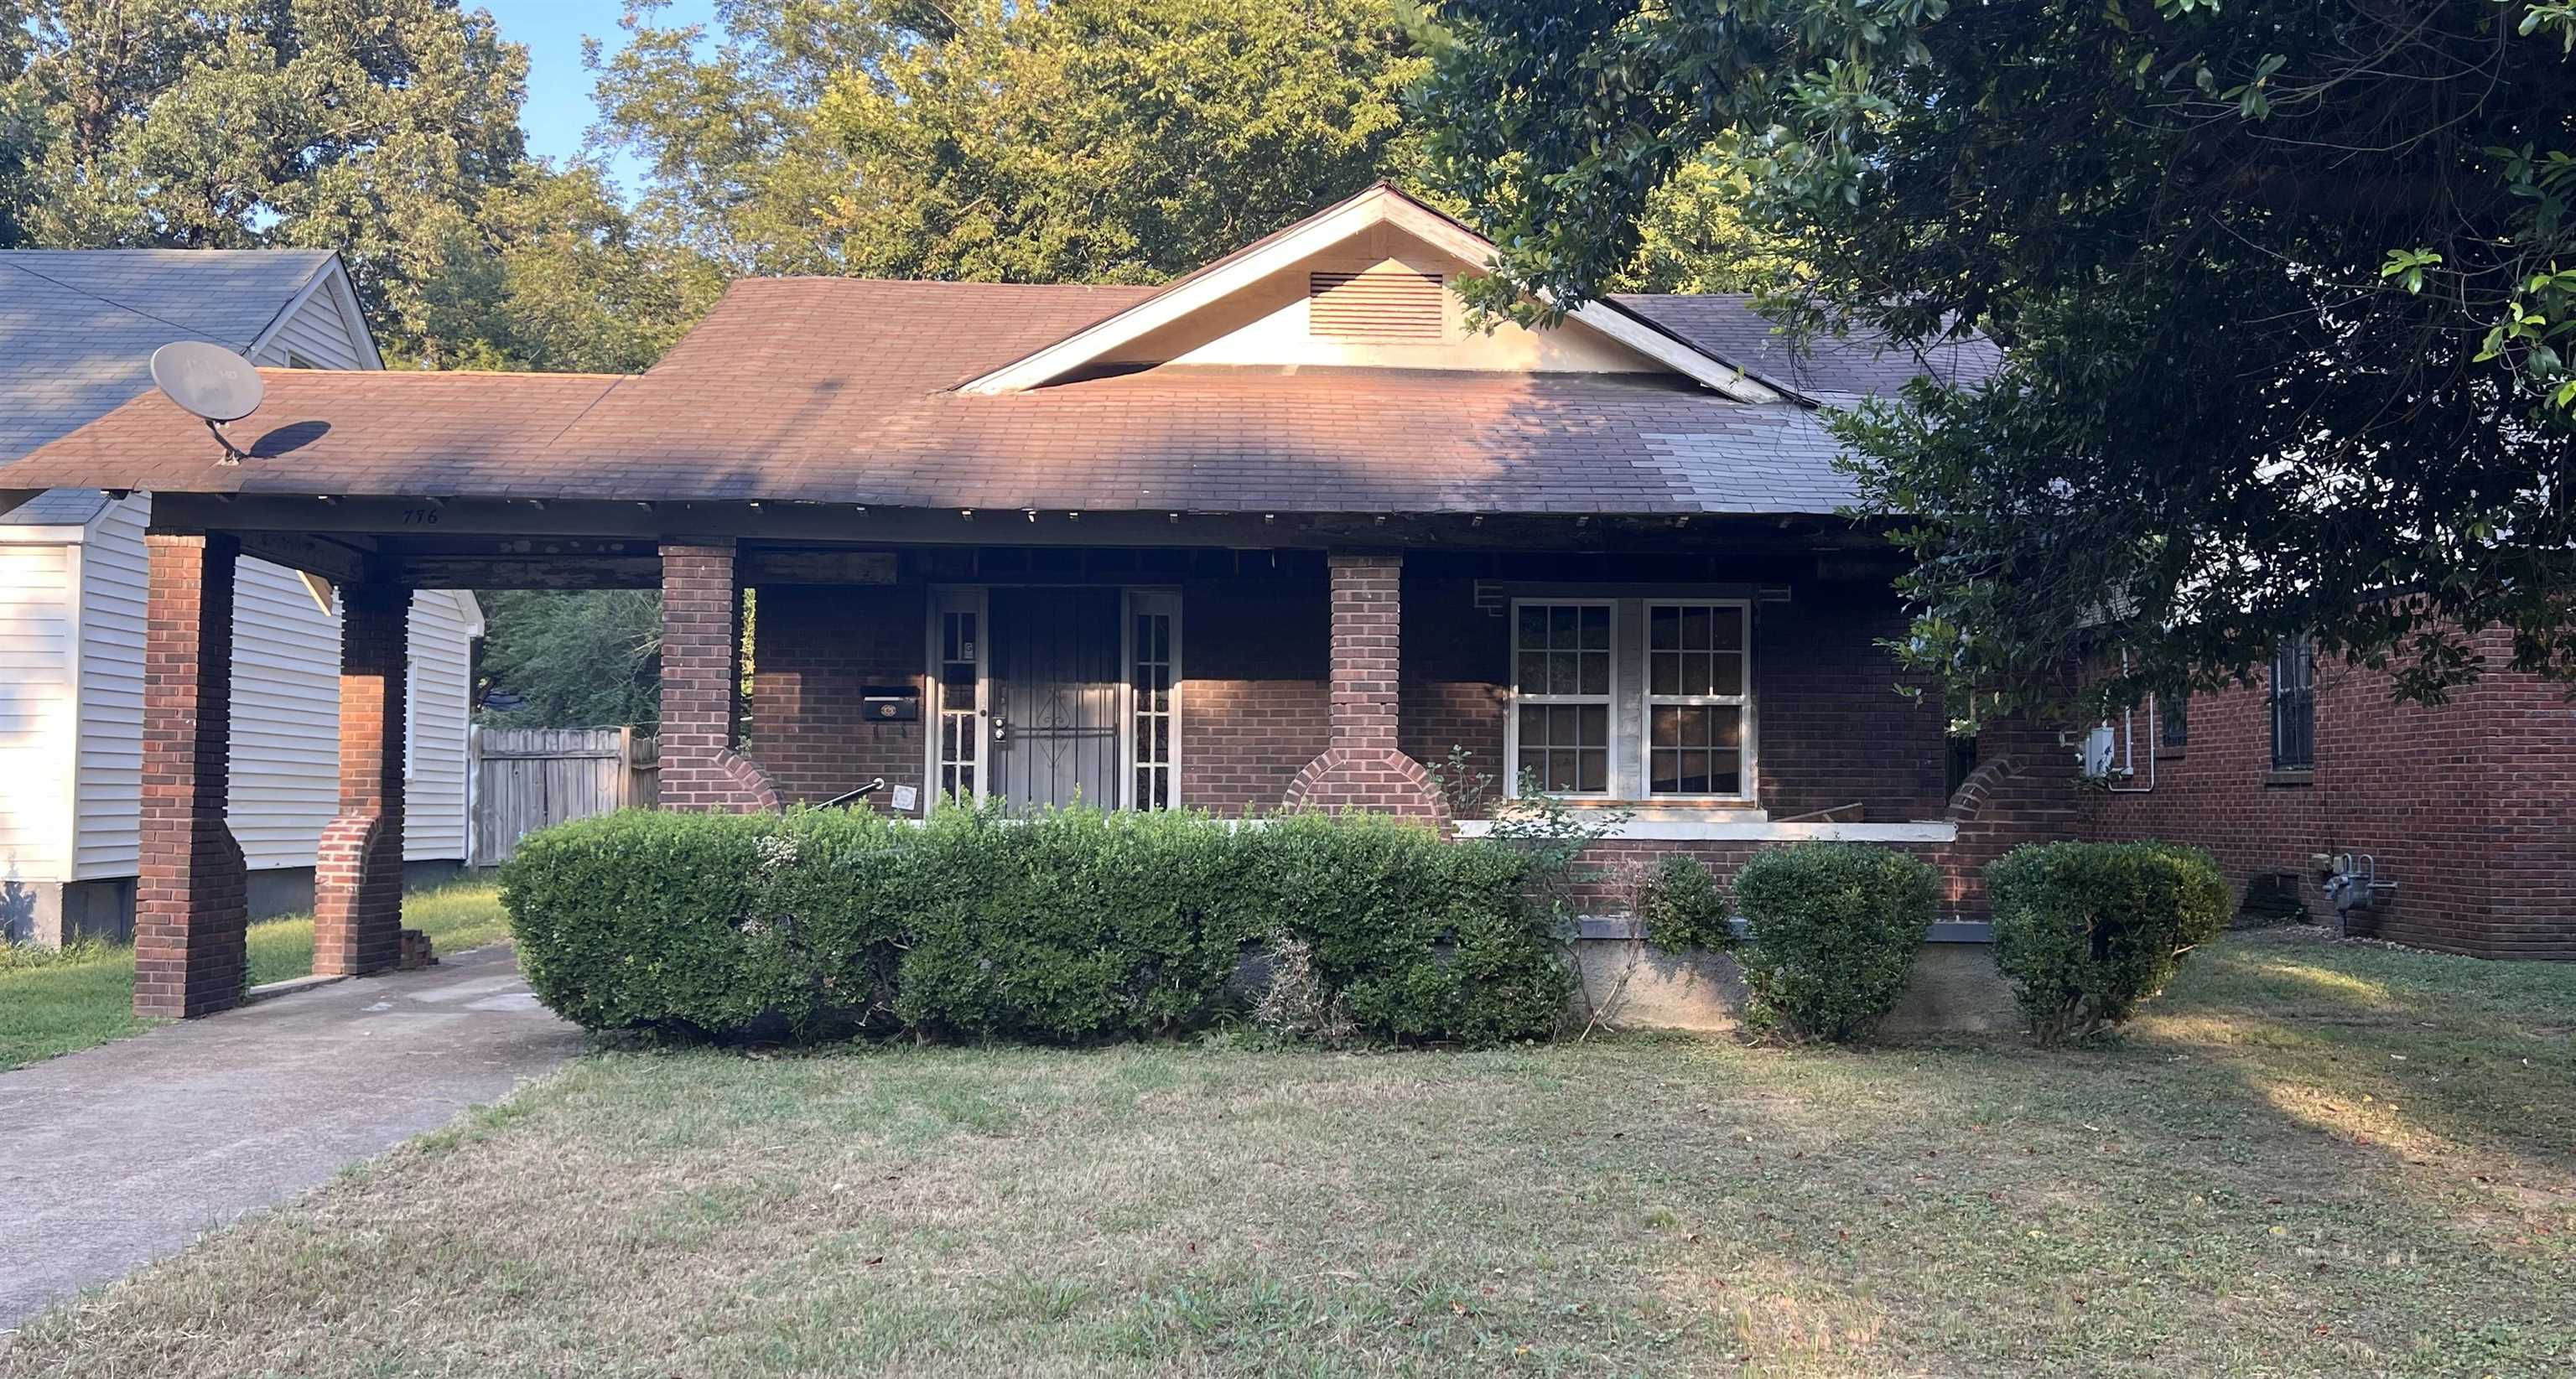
x: 443, y: 627
x: 114, y: 580
x: 38, y: 652
x: 286, y: 710
x: 286, y: 717
x: 315, y: 334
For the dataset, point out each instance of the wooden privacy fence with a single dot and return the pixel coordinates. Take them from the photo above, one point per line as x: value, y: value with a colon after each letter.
x: 528, y: 778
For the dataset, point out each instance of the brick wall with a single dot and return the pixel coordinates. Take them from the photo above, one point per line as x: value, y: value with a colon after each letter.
x: 1363, y: 768
x: 1255, y: 704
x: 816, y: 650
x: 357, y: 875
x: 702, y: 686
x: 1833, y: 728
x: 191, y: 906
x: 2465, y: 806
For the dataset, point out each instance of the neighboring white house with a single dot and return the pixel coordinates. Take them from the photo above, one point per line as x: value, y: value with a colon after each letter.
x: 77, y: 329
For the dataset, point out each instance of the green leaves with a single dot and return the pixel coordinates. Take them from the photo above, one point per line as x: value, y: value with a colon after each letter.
x: 2283, y: 322
x: 2408, y: 265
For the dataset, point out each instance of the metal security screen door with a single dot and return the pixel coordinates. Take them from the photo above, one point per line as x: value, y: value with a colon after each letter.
x: 1057, y: 699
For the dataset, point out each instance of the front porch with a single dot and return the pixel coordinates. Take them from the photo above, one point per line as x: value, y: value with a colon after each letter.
x: 1720, y: 679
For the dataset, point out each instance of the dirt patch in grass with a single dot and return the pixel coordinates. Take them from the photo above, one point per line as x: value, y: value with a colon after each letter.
x: 2273, y: 1174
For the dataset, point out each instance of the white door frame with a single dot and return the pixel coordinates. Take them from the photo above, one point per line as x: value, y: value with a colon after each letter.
x: 977, y: 599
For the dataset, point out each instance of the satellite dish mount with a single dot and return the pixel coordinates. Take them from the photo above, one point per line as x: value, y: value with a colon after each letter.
x: 211, y: 382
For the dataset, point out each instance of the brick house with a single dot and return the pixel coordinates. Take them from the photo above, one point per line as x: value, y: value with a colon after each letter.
x: 1279, y: 535
x: 2464, y: 809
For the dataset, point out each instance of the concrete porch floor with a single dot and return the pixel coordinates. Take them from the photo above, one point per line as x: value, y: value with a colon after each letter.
x: 116, y: 1156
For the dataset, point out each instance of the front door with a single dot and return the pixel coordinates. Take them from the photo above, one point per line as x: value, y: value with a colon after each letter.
x: 1057, y: 696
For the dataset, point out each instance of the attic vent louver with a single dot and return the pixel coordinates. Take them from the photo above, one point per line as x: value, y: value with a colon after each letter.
x: 1382, y: 304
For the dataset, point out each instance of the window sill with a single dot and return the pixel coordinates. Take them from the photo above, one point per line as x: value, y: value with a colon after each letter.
x: 2297, y: 776
x: 2172, y: 753
x: 1751, y: 826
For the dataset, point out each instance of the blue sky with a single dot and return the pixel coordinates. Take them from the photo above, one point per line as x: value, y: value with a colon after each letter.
x: 559, y: 111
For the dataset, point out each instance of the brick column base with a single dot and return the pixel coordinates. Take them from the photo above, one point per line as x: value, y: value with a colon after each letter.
x: 357, y: 896
x: 2019, y: 796
x: 701, y: 684
x: 192, y: 896
x: 1379, y: 780
x: 357, y: 872
x: 1363, y: 768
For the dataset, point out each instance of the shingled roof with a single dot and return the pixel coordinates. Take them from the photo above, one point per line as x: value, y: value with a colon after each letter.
x: 849, y: 391
x: 78, y: 327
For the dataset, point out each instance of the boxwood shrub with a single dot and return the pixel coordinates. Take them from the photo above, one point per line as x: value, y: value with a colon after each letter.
x: 2086, y: 931
x: 1835, y: 929
x: 1072, y: 926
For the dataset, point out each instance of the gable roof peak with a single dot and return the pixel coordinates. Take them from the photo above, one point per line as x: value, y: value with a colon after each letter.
x: 1380, y: 203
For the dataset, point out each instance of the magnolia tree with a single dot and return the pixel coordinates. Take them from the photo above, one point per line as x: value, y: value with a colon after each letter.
x: 2286, y: 291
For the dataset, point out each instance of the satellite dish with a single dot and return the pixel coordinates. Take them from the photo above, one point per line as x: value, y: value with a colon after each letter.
x: 210, y: 381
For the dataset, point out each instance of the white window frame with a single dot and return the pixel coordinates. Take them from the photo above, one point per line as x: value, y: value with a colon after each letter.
x: 1160, y: 603
x: 943, y: 601
x: 1609, y: 702
x: 1747, y: 781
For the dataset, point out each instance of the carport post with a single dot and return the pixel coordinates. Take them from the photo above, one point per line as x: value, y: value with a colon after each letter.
x: 357, y: 876
x: 191, y: 902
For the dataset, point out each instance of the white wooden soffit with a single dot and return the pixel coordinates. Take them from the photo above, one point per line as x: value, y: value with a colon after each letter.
x: 1378, y: 205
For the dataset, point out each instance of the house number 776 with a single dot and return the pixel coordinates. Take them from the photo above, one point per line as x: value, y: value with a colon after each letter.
x: 420, y: 517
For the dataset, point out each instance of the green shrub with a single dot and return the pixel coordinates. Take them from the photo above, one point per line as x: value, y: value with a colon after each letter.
x: 1071, y: 926
x: 1684, y: 907
x: 2086, y: 931
x: 1835, y: 930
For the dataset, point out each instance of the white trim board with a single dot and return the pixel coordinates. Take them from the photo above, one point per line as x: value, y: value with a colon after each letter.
x: 1756, y: 831
x: 1380, y: 204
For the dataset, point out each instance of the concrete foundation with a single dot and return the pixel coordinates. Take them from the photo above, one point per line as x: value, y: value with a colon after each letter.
x: 53, y: 913
x: 1955, y: 989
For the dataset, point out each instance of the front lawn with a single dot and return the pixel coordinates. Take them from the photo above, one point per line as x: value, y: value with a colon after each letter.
x: 52, y: 1003
x: 2309, y: 1159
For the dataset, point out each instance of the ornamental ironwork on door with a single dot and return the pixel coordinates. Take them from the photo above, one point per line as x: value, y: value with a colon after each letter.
x: 1055, y: 704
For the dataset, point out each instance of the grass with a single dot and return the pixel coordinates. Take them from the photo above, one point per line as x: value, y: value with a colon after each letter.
x: 56, y: 1002
x: 2309, y: 1159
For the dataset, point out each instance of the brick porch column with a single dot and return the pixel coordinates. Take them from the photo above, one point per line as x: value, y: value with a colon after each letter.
x: 357, y: 879
x: 702, y: 686
x: 1362, y: 768
x: 191, y: 900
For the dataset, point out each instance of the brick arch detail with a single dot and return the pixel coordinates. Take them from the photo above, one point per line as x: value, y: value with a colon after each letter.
x: 752, y: 785
x: 1378, y: 780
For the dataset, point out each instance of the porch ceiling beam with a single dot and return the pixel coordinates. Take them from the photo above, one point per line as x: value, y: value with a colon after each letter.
x: 557, y: 572
x: 342, y: 560
x: 454, y: 523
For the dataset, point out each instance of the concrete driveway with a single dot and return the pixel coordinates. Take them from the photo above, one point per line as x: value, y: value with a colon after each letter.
x: 115, y: 1156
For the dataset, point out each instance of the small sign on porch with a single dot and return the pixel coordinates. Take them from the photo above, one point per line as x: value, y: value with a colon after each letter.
x: 905, y: 797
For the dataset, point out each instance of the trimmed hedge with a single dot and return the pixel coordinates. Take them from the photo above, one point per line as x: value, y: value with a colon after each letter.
x: 2086, y: 931
x: 1684, y: 907
x: 1835, y: 930
x: 1073, y: 926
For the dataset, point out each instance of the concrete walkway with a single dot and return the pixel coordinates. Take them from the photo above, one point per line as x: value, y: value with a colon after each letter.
x: 115, y: 1156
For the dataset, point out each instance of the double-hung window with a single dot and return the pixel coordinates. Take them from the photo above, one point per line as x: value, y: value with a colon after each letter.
x: 1632, y: 698
x: 1695, y: 699
x: 1562, y: 691
x: 2294, y: 706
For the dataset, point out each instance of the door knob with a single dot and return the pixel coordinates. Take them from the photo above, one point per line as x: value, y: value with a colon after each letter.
x: 1001, y: 729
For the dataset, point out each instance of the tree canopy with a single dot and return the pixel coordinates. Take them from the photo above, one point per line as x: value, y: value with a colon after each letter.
x: 2284, y: 289
x: 1078, y: 141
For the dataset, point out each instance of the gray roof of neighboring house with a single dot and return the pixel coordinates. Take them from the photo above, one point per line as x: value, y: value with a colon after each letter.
x: 1835, y: 369
x: 78, y: 327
